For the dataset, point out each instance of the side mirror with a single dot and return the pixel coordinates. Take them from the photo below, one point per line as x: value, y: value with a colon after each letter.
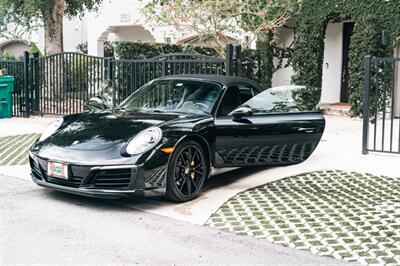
x: 96, y: 103
x: 242, y: 111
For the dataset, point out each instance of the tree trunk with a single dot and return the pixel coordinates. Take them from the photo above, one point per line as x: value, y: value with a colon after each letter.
x: 53, y: 43
x: 53, y: 28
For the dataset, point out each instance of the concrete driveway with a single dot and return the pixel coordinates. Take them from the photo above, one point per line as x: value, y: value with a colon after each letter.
x: 339, y: 149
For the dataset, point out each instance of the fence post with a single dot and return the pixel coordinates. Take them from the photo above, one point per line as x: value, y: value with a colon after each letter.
x: 238, y: 55
x: 109, y: 70
x: 26, y: 84
x: 35, y: 81
x: 164, y: 67
x: 366, y: 103
x: 111, y: 78
x: 229, y: 59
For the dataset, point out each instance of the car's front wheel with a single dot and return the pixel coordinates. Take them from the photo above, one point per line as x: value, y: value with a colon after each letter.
x: 187, y: 170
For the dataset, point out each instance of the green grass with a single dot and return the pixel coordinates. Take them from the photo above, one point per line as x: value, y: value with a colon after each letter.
x: 14, y: 149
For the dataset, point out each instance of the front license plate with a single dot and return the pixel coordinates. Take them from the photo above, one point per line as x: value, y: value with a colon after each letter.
x: 57, y: 170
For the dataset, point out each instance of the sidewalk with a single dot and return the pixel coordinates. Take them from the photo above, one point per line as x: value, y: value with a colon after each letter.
x: 340, y: 149
x: 18, y: 126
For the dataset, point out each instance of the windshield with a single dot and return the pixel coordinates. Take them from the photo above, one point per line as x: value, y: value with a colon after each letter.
x: 180, y: 96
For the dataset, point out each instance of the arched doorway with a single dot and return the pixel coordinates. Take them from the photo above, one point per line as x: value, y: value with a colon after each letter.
x: 335, y: 87
x: 15, y: 47
x: 130, y: 33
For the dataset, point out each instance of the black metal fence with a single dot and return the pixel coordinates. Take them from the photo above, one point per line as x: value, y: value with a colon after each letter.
x: 62, y: 83
x: 129, y: 75
x: 381, y: 105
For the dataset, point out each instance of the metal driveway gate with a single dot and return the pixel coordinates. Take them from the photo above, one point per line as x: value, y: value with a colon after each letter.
x: 63, y: 83
x: 129, y: 75
x: 381, y: 105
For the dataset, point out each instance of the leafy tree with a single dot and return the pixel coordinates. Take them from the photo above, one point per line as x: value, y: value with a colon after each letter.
x: 34, y: 49
x: 14, y: 27
x: 46, y: 13
x: 221, y: 17
x: 7, y: 56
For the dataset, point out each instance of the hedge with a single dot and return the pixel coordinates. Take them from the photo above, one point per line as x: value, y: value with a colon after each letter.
x: 142, y: 50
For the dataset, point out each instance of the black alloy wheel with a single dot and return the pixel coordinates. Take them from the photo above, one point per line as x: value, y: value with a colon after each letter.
x: 187, y: 171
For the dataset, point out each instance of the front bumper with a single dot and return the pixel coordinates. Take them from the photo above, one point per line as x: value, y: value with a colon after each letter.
x: 95, y: 193
x: 114, y: 181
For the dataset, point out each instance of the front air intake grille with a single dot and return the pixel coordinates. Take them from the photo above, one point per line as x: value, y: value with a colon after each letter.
x: 113, y: 178
x: 74, y: 181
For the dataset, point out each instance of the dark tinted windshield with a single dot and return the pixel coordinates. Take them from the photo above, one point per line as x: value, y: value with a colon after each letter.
x: 181, y: 96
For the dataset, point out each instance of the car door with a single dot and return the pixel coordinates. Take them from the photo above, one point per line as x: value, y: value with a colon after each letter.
x: 276, y: 133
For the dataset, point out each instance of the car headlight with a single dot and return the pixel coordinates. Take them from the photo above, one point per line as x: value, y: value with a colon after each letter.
x: 144, y: 141
x: 50, y: 129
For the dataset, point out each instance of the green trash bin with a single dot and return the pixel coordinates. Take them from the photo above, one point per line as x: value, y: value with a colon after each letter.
x: 6, y: 90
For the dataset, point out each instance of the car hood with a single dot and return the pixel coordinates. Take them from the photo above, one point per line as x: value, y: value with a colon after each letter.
x: 101, y: 130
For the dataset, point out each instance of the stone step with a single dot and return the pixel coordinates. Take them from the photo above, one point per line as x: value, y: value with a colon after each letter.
x: 340, y: 109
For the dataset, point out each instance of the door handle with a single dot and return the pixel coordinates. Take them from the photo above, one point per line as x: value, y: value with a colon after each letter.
x: 307, y: 129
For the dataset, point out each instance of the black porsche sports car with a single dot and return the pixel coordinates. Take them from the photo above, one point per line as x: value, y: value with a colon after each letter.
x: 167, y: 136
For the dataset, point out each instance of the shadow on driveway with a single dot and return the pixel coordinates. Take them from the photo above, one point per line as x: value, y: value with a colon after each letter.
x: 147, y: 203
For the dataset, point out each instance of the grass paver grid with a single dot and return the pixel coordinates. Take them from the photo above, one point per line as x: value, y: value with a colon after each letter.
x: 14, y: 149
x: 345, y: 215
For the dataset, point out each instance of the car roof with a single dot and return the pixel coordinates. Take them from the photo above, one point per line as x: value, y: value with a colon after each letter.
x: 222, y: 79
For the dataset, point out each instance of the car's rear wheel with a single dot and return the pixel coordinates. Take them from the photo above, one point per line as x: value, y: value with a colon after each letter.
x: 187, y: 170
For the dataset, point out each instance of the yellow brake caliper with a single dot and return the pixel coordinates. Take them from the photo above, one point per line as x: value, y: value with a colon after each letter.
x: 192, y: 174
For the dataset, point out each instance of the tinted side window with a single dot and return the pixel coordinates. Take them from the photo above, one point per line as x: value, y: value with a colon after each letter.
x: 230, y: 101
x: 266, y: 102
x: 246, y: 93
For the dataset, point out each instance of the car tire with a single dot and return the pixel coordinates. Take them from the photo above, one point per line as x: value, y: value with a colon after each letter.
x: 187, y: 170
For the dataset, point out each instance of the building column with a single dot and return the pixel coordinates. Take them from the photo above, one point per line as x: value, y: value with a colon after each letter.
x: 100, y: 46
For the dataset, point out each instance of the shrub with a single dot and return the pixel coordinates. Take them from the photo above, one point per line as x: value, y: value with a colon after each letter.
x: 34, y: 49
x: 76, y: 73
x: 364, y: 42
x: 250, y: 64
x: 307, y: 98
x: 7, y: 56
x: 108, y: 49
x: 142, y: 50
x: 82, y: 48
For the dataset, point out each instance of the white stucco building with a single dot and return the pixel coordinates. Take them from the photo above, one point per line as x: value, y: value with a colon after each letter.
x: 334, y: 78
